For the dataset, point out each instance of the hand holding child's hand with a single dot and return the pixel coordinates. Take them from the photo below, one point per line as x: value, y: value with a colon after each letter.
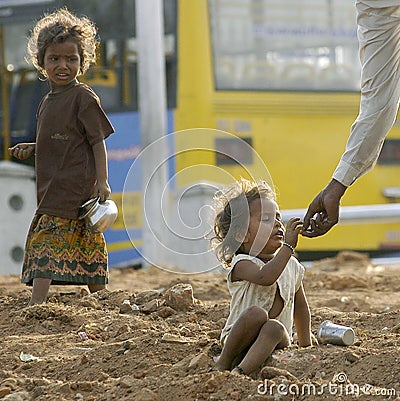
x: 22, y: 151
x: 293, y: 229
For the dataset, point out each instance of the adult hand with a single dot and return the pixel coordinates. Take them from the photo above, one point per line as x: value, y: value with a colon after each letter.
x: 323, y: 212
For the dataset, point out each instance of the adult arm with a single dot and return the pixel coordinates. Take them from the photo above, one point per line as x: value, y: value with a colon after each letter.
x: 379, y: 40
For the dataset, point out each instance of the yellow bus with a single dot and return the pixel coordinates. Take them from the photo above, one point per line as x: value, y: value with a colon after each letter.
x: 284, y: 76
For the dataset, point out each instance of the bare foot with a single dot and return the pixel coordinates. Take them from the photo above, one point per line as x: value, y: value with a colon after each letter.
x: 218, y: 364
x: 238, y: 371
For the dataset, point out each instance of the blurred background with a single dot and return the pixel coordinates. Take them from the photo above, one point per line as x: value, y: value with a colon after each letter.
x: 281, y: 76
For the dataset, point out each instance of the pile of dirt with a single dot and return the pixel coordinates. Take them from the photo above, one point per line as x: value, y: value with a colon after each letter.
x: 153, y: 335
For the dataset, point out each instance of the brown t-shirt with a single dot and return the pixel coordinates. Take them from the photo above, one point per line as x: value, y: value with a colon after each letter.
x: 68, y: 125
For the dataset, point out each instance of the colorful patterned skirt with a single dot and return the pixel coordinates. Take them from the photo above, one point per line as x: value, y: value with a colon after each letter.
x: 65, y: 251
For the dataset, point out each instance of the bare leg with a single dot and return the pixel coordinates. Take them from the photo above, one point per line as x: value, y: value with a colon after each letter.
x: 242, y: 335
x: 96, y: 287
x: 273, y: 334
x: 40, y: 290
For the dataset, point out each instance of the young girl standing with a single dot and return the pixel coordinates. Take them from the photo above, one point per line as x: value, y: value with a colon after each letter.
x: 70, y: 159
x: 264, y: 280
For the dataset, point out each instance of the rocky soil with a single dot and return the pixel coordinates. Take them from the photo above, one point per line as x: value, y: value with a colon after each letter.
x: 153, y: 336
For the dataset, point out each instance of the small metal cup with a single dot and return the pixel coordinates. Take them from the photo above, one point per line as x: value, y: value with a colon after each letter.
x: 332, y: 333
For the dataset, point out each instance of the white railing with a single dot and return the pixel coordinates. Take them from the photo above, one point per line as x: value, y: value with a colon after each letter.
x: 364, y: 214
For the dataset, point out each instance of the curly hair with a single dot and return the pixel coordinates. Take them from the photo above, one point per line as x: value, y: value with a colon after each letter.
x: 59, y: 27
x: 232, y: 218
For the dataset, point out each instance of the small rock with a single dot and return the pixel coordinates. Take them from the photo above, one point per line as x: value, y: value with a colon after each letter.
x: 165, y: 312
x: 146, y: 296
x: 180, y: 296
x: 127, y: 381
x: 103, y: 376
x: 4, y: 391
x: 269, y: 372
x: 320, y: 375
x: 125, y: 307
x: 202, y: 341
x: 90, y: 302
x: 214, y: 383
x: 135, y: 309
x: 139, y: 374
x: 150, y: 306
x: 199, y: 361
x: 128, y: 344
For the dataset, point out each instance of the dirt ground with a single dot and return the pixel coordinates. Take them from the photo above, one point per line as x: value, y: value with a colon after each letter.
x: 159, y: 347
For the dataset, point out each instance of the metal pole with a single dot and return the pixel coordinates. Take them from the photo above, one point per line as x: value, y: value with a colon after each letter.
x: 4, y: 96
x: 364, y: 214
x: 153, y: 123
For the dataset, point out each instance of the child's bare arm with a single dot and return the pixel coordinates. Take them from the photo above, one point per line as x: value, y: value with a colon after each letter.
x: 100, y: 157
x: 22, y: 151
x: 270, y: 272
x: 302, y: 318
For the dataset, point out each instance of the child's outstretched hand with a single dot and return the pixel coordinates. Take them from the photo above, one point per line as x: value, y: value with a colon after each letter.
x: 22, y: 151
x: 293, y: 229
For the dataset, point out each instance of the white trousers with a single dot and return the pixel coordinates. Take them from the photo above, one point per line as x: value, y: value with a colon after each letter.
x: 379, y: 39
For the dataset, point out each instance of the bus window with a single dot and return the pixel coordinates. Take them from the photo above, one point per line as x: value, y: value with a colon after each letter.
x: 390, y: 153
x: 232, y: 151
x: 114, y: 78
x: 307, y: 45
